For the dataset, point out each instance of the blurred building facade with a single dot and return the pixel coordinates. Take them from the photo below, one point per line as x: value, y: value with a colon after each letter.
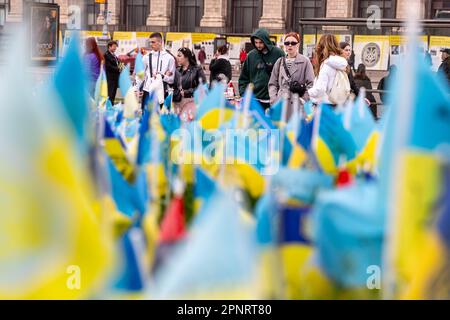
x: 219, y: 16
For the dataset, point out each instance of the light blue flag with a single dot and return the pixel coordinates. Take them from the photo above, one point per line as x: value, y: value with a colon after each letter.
x: 125, y: 81
x: 301, y: 184
x: 200, y: 93
x: 130, y: 199
x: 359, y: 121
x: 218, y: 258
x: 168, y: 101
x: 205, y: 186
x: 348, y: 233
x: 131, y: 274
x: 70, y: 81
x: 139, y: 68
x: 276, y: 111
x: 265, y: 211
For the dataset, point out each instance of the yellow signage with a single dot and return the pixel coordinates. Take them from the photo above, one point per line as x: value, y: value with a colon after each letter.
x: 121, y: 35
x: 443, y: 42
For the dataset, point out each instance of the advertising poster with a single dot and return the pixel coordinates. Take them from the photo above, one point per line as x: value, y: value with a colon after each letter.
x: 68, y: 34
x: 142, y: 39
x: 126, y: 40
x: 309, y: 43
x: 177, y: 40
x: 279, y: 40
x: 398, y: 47
x: 436, y: 44
x: 205, y: 40
x: 236, y: 44
x: 372, y: 51
x: 345, y: 38
x: 44, y: 35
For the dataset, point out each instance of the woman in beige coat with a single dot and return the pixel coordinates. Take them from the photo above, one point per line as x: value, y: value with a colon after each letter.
x: 291, y: 74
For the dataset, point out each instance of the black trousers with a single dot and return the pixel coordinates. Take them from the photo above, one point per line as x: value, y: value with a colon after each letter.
x: 112, y: 90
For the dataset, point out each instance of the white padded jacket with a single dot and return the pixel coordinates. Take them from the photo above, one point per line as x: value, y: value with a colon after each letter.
x: 323, y: 83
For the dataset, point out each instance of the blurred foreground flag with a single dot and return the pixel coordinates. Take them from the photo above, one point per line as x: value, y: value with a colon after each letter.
x: 415, y: 142
x: 131, y: 104
x: 216, y: 262
x: 213, y: 109
x: 70, y: 82
x: 53, y: 239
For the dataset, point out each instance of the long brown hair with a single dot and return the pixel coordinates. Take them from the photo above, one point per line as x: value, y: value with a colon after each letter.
x: 344, y: 45
x: 92, y: 47
x: 327, y: 46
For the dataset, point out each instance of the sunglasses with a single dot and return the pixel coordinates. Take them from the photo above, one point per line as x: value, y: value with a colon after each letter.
x: 293, y: 43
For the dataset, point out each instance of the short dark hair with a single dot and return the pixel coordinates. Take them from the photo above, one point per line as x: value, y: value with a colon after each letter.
x: 156, y: 35
x: 112, y: 42
x: 222, y: 49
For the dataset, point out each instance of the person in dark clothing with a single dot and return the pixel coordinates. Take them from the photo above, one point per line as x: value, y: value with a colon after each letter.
x: 346, y: 48
x: 258, y: 66
x: 351, y: 60
x: 384, y: 82
x: 444, y: 68
x: 191, y: 76
x: 362, y: 80
x: 112, y: 70
x: 202, y: 56
x: 220, y: 67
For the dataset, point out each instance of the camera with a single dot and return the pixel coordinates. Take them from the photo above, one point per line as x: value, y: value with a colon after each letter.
x: 296, y: 87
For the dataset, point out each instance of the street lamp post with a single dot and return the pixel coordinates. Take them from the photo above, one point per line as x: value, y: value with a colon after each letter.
x: 105, y: 21
x: 103, y: 40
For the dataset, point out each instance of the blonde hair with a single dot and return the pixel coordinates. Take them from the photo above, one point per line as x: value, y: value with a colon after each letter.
x: 327, y: 46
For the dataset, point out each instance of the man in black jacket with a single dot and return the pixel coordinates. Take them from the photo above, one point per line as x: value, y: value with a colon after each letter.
x: 112, y: 70
x: 444, y: 68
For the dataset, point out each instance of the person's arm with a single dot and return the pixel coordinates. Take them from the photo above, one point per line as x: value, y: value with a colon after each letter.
x: 244, y: 79
x: 320, y: 86
x: 170, y: 73
x: 274, y: 85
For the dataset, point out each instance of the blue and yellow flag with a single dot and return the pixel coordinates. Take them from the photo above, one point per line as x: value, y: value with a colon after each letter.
x: 331, y: 142
x: 55, y: 240
x: 411, y: 173
x: 131, y: 104
x: 213, y: 110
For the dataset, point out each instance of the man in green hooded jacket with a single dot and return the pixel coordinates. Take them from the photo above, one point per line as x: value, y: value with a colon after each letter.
x: 258, y: 66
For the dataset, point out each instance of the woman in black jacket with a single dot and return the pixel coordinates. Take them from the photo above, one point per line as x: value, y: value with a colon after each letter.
x: 347, y: 49
x: 191, y: 76
x: 220, y: 66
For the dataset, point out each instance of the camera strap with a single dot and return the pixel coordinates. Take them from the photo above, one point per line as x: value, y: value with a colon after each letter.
x: 286, y: 68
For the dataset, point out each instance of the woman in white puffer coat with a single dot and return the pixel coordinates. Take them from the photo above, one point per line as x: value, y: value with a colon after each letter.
x: 328, y: 61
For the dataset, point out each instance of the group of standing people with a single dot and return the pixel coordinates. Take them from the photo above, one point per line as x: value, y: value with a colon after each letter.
x: 179, y: 75
x: 274, y: 73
